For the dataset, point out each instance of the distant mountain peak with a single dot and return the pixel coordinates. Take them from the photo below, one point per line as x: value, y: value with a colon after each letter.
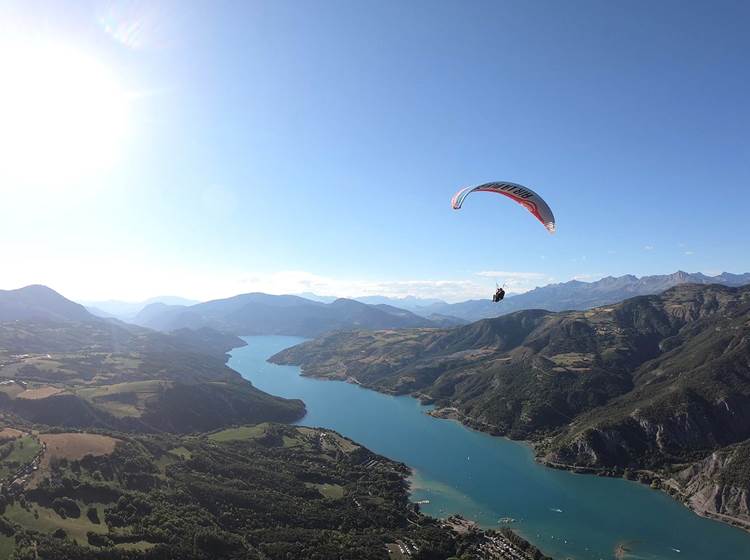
x: 39, y: 302
x: 37, y: 289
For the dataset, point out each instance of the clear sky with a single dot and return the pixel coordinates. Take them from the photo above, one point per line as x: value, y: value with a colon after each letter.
x: 213, y: 148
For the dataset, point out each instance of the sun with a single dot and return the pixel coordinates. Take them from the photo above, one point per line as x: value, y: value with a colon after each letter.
x: 63, y: 115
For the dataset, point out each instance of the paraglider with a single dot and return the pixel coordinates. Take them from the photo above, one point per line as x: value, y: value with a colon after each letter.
x: 522, y: 195
x: 499, y: 295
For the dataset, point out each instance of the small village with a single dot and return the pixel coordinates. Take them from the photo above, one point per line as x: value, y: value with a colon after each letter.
x: 490, y: 546
x: 498, y: 546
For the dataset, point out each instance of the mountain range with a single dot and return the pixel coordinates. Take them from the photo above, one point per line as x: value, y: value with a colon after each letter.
x: 574, y: 294
x: 127, y: 310
x: 257, y: 313
x: 654, y: 386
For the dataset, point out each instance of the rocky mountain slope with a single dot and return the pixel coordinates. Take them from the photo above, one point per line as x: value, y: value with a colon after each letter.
x: 717, y: 486
x: 654, y: 383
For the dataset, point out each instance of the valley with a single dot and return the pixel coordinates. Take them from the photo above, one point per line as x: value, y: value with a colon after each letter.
x: 650, y: 389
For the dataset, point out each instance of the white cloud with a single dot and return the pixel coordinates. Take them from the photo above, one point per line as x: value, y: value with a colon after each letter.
x: 689, y: 253
x: 648, y: 248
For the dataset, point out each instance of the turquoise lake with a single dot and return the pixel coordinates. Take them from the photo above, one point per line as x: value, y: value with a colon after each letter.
x: 485, y: 478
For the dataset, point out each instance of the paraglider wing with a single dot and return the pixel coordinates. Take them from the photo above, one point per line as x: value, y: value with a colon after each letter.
x: 523, y: 195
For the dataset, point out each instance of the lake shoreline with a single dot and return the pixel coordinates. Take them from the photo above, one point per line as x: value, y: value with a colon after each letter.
x: 654, y: 480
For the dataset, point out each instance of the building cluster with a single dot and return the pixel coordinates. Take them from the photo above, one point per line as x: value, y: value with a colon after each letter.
x: 404, y: 548
x: 498, y: 547
x: 12, y: 381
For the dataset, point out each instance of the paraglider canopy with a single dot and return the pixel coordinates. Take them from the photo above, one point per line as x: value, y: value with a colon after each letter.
x: 522, y: 195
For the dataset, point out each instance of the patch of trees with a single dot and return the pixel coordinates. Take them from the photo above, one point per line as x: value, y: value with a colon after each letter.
x: 65, y: 507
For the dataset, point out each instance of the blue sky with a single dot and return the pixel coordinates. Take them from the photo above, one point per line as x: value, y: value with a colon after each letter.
x: 293, y: 146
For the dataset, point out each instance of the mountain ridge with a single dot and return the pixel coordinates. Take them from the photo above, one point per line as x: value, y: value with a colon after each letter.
x: 258, y: 313
x: 35, y: 302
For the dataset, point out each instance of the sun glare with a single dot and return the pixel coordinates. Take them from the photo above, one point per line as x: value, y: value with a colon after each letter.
x: 63, y: 115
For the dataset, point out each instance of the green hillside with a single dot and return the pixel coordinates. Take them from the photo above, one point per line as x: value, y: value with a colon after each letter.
x: 269, y: 492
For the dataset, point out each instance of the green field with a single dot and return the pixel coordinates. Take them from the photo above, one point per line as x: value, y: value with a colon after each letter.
x: 331, y: 491
x: 181, y: 452
x: 7, y: 545
x: 149, y: 386
x: 292, y: 441
x: 298, y: 437
x: 239, y: 434
x: 114, y: 398
x: 48, y: 521
x: 24, y: 450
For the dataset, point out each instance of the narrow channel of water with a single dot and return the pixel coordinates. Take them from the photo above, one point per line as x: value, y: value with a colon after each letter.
x: 486, y: 478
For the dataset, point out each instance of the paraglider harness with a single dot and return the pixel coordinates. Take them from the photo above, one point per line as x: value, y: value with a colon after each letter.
x: 499, y: 295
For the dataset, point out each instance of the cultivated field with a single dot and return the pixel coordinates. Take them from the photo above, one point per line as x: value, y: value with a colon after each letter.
x: 239, y: 434
x: 76, y: 445
x: 40, y: 393
x: 124, y: 399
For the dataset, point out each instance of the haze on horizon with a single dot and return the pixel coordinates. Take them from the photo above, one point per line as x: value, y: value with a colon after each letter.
x: 158, y: 148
